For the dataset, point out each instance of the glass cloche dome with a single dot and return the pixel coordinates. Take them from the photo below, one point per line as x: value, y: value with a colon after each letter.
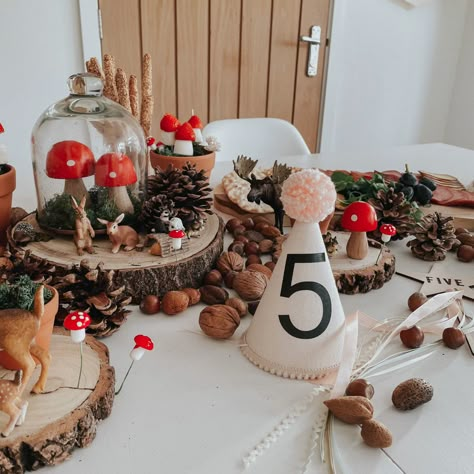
x: 88, y: 147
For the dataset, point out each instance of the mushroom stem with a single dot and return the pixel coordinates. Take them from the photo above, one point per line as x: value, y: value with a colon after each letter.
x: 119, y: 195
x: 125, y: 378
x: 357, y: 246
x: 77, y: 189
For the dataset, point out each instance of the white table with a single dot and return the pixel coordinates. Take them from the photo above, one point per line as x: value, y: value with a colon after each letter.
x: 196, y: 405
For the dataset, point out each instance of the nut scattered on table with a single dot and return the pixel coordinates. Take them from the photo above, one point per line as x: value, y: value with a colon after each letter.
x: 412, y: 337
x: 351, y: 409
x: 416, y: 300
x: 175, y: 302
x: 253, y: 259
x: 194, y: 295
x: 213, y: 294
x: 239, y: 305
x: 360, y: 387
x: 250, y: 285
x: 258, y: 267
x: 453, y: 338
x: 214, y: 278
x: 412, y: 393
x: 150, y: 304
x: 219, y: 321
x: 376, y: 434
x: 230, y: 261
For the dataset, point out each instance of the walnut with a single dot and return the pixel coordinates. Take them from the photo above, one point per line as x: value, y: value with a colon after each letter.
x: 230, y: 261
x: 250, y: 285
x: 194, y: 295
x: 265, y: 246
x: 219, y: 321
x: 239, y: 305
x: 270, y: 232
x: 174, y: 302
x: 258, y: 267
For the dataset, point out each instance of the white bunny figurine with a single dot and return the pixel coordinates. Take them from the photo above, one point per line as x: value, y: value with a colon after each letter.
x: 120, y: 234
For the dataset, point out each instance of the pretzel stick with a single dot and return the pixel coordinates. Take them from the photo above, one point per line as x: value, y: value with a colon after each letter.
x: 109, y: 69
x: 122, y: 89
x: 147, y: 95
x: 134, y: 104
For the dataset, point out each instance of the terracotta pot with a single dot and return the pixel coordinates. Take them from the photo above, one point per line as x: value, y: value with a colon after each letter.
x: 43, y: 338
x: 7, y: 186
x: 204, y: 162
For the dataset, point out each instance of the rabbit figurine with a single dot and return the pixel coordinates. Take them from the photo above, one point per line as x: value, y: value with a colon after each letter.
x: 120, y: 234
x: 84, y: 232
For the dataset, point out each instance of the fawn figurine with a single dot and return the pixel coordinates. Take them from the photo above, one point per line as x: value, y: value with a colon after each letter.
x: 11, y: 403
x: 18, y: 330
x: 120, y: 234
x: 84, y: 232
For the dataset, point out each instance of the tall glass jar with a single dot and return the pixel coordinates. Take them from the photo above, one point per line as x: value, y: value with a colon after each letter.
x: 88, y: 148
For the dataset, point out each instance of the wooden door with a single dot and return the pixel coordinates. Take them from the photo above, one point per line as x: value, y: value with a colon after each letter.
x: 223, y: 58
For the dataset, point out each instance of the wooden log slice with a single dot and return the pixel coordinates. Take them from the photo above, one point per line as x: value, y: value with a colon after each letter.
x: 141, y: 272
x: 64, y: 417
x: 360, y: 276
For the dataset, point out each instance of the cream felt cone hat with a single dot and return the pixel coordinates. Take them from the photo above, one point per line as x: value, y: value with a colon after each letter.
x: 298, y: 329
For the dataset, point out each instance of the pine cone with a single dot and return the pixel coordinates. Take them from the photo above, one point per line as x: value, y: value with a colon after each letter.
x: 152, y: 213
x: 91, y: 289
x: 434, y: 236
x: 392, y: 208
x: 188, y: 188
x: 331, y: 244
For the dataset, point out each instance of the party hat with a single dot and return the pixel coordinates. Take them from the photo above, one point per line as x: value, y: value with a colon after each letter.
x: 298, y: 329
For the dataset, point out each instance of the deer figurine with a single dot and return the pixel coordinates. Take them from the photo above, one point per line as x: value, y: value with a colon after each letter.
x: 83, y: 233
x: 11, y: 403
x: 120, y: 234
x: 18, y: 330
x: 268, y: 189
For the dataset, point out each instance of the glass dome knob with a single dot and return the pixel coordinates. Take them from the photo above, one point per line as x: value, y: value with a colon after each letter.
x: 85, y: 84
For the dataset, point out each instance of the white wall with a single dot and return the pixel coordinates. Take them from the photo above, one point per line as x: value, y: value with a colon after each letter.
x: 391, y: 72
x: 460, y: 126
x: 41, y: 48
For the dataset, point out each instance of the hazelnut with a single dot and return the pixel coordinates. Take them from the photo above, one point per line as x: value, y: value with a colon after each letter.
x: 411, y: 394
x: 150, y: 304
x: 453, y: 338
x: 229, y: 279
x: 213, y: 294
x: 262, y: 219
x: 271, y: 232
x: 237, y: 247
x: 276, y: 256
x: 194, y: 295
x: 265, y: 246
x: 241, y: 238
x: 360, y: 387
x: 214, y: 277
x: 219, y: 321
x: 239, y: 305
x: 416, y: 300
x: 239, y: 230
x: 465, y: 253
x: 261, y: 225
x: 230, y: 261
x: 248, y: 223
x: 270, y: 265
x: 231, y: 224
x: 461, y: 230
x: 412, y: 337
x: 252, y: 260
x: 175, y: 302
x: 466, y: 238
x: 250, y: 285
x: 252, y: 248
x: 254, y: 236
x: 252, y: 306
x: 258, y: 267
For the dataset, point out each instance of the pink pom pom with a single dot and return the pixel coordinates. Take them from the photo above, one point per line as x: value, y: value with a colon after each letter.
x: 308, y: 196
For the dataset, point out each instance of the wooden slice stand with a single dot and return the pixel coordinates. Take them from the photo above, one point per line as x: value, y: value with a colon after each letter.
x: 64, y: 417
x: 360, y: 276
x: 141, y: 272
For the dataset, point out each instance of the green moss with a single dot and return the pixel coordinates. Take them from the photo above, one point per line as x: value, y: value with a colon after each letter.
x: 4, y: 168
x: 20, y: 293
x: 198, y: 150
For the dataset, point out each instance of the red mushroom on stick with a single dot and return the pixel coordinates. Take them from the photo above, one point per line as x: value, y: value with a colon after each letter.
x: 71, y: 160
x: 116, y: 171
x: 185, y: 137
x: 359, y: 217
x: 387, y: 231
x: 196, y: 123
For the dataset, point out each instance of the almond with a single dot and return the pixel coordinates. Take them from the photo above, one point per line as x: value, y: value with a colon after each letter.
x: 375, y: 434
x: 353, y: 409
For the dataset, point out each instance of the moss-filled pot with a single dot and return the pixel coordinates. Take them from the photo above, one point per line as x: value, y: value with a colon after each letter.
x: 202, y: 162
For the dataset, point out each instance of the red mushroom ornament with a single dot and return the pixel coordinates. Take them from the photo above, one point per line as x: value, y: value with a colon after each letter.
x: 1, y: 128
x: 185, y: 137
x: 176, y: 233
x: 168, y: 126
x: 116, y: 171
x: 387, y: 231
x: 71, y: 160
x: 142, y: 345
x: 196, y: 123
x: 359, y: 217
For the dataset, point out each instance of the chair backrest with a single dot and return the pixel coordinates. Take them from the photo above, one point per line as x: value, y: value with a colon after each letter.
x: 256, y: 137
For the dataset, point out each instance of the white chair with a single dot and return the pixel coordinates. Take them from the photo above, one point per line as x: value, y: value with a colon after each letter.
x: 256, y: 137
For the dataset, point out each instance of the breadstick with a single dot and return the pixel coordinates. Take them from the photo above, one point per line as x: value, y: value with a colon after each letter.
x: 122, y: 89
x: 147, y: 95
x: 133, y: 87
x: 94, y: 67
x: 109, y: 70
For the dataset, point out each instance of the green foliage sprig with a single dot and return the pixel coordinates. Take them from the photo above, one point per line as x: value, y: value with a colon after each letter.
x: 20, y: 293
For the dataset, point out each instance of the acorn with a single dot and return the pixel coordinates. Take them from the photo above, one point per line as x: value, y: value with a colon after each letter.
x: 453, y: 338
x: 412, y: 337
x: 360, y: 387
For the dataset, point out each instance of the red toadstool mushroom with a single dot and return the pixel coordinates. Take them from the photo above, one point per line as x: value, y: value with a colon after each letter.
x: 185, y: 137
x: 359, y: 217
x: 116, y: 171
x: 71, y: 160
x: 168, y: 126
x: 142, y: 344
x: 196, y: 123
x: 77, y: 322
x: 387, y: 231
x: 176, y: 236
x: 1, y: 128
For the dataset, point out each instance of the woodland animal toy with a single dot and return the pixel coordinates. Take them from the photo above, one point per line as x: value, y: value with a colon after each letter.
x: 11, y: 403
x: 18, y: 329
x: 268, y: 189
x: 84, y: 233
x: 120, y: 234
